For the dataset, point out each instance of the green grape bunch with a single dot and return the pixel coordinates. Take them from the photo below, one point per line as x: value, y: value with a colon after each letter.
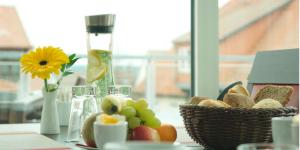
x: 136, y: 112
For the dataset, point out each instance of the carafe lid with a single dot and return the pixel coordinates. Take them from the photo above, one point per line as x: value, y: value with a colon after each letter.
x: 103, y: 23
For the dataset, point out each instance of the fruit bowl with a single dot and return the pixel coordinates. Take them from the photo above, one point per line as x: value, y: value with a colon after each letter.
x: 226, y: 128
x: 143, y: 124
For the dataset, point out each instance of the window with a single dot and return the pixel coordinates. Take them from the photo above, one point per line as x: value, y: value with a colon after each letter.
x: 145, y: 53
x: 9, y: 75
x: 184, y: 64
x: 247, y: 27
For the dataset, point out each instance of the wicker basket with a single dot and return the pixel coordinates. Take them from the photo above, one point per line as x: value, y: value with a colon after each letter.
x: 226, y: 128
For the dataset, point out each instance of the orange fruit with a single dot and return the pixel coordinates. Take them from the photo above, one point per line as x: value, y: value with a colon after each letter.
x: 167, y: 133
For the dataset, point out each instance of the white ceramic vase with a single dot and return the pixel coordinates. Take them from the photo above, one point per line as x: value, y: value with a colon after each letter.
x: 49, y: 118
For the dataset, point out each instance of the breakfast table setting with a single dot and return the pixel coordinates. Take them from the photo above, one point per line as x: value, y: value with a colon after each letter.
x: 102, y: 115
x: 233, y: 121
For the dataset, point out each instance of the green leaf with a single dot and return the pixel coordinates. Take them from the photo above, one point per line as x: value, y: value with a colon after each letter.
x: 72, y: 56
x: 67, y: 73
x: 72, y: 62
x: 63, y: 67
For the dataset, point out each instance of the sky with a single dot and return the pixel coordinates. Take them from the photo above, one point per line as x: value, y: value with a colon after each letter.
x: 141, y: 25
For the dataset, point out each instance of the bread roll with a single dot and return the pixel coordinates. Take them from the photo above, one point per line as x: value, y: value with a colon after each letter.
x: 239, y: 89
x: 197, y: 100
x: 279, y: 93
x: 213, y: 103
x: 238, y: 100
x: 267, y: 103
x: 225, y: 91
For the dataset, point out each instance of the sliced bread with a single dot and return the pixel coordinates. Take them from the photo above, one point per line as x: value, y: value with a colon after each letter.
x: 279, y: 93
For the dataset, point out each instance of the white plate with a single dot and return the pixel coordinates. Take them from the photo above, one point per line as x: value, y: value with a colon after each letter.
x: 144, y: 146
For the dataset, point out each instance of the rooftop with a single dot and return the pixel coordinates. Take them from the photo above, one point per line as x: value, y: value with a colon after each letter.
x: 12, y: 34
x: 253, y: 10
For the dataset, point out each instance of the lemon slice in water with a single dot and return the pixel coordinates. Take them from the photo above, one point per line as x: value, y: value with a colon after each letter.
x: 97, y: 67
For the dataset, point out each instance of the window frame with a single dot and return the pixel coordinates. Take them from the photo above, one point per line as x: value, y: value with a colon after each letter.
x: 204, y: 48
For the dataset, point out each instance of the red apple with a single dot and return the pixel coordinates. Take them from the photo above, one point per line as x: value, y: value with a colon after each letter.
x: 144, y: 133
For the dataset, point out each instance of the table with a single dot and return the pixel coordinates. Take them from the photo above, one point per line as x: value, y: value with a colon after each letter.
x: 182, y: 136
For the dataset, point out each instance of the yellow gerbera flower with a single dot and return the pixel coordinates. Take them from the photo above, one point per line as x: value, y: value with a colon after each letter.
x: 43, y: 61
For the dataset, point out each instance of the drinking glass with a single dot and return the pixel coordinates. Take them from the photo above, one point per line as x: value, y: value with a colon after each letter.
x: 266, y: 146
x: 282, y: 130
x: 83, y: 105
x: 120, y: 90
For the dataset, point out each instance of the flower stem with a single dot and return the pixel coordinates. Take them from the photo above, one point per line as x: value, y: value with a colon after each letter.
x: 59, y: 81
x: 46, y: 85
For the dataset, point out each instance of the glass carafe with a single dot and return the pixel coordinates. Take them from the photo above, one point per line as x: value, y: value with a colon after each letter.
x: 99, y: 45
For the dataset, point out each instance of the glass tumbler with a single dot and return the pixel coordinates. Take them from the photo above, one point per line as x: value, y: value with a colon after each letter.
x: 123, y: 91
x: 83, y: 105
